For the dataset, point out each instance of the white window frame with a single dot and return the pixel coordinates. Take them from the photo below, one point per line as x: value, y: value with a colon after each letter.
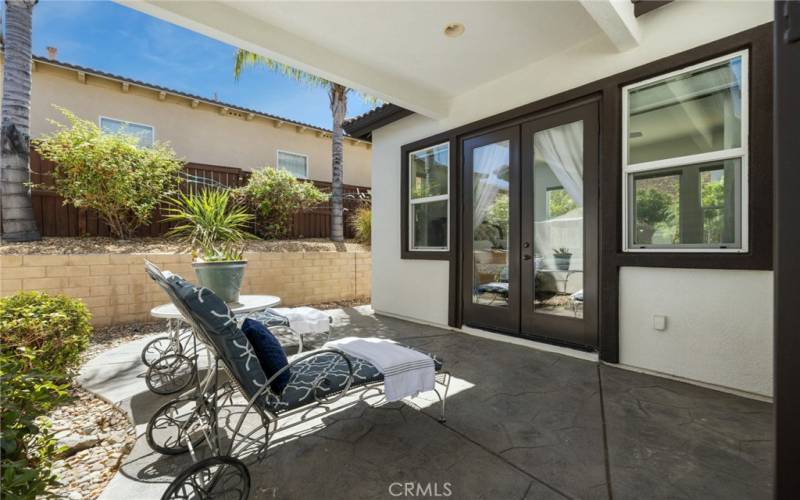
x: 742, y: 153
x: 427, y: 199
x: 278, y: 160
x: 120, y: 120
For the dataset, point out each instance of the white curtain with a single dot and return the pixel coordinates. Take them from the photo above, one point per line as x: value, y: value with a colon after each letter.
x: 562, y: 149
x: 488, y: 162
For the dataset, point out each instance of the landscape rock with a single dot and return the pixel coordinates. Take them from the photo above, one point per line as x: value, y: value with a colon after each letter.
x: 75, y: 443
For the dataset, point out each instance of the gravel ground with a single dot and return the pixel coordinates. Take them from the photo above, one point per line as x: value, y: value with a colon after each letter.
x: 92, y: 245
x: 99, y: 435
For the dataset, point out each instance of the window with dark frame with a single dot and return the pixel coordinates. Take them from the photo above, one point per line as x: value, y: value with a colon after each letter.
x: 429, y: 199
x: 685, y: 159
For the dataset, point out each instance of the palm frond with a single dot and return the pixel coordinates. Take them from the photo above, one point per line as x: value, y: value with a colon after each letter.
x: 245, y: 58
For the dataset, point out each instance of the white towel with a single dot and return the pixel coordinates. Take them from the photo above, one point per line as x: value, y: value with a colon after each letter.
x: 406, y: 372
x: 305, y: 320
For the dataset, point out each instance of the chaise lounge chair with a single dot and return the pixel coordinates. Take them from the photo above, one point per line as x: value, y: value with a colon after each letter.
x: 318, y: 378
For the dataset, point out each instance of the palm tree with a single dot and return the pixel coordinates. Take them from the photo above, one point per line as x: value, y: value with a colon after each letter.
x: 338, y: 101
x: 17, y: 216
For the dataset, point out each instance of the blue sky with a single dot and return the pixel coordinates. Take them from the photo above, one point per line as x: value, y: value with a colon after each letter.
x: 116, y: 39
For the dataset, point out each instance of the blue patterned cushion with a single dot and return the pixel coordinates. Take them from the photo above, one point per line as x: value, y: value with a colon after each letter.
x: 270, y: 318
x: 269, y: 352
x: 333, y: 370
x: 215, y: 317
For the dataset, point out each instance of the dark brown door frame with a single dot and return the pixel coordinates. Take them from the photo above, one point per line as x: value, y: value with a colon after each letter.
x: 787, y: 249
x: 504, y: 319
x: 759, y: 41
x: 581, y: 333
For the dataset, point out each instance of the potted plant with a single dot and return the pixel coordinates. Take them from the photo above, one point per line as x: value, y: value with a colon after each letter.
x: 562, y: 257
x: 216, y: 230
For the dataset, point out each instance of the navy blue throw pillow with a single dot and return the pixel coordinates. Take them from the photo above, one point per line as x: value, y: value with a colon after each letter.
x: 268, y: 351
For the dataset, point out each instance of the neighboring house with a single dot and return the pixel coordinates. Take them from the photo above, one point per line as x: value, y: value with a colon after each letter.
x: 591, y: 177
x: 200, y: 130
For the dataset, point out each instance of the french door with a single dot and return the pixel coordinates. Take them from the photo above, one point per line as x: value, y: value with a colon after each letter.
x: 490, y: 233
x: 529, y: 239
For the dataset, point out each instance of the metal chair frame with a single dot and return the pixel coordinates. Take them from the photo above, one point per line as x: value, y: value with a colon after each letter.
x: 210, y: 396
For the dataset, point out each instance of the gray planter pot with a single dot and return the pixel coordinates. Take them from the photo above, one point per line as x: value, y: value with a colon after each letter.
x: 562, y: 261
x: 222, y: 278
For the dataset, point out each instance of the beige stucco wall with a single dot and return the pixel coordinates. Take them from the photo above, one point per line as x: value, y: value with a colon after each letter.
x: 117, y: 291
x: 200, y: 135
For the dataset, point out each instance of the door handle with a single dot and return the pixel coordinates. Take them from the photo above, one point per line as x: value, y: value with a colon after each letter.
x: 526, y: 257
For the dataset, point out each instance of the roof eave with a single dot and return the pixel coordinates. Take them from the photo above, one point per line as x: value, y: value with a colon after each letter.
x: 362, y: 127
x: 185, y: 95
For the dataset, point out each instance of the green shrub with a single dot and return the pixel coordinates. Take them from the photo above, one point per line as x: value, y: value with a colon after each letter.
x: 361, y: 222
x: 41, y: 339
x: 275, y: 196
x: 211, y: 223
x: 109, y: 173
x: 53, y: 328
x: 28, y: 446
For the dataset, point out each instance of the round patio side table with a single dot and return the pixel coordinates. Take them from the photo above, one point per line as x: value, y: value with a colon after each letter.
x: 170, y: 369
x: 246, y: 304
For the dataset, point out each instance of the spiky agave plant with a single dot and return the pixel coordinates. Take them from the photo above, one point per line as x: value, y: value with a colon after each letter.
x: 211, y: 223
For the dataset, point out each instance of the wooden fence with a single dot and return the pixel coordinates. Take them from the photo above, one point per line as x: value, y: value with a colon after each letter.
x: 56, y: 219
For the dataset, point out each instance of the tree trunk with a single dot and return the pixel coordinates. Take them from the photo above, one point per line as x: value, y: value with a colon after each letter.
x: 18, y: 222
x: 338, y: 95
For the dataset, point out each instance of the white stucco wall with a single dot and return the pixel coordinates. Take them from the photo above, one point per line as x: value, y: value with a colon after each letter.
x: 719, y: 325
x: 412, y: 288
x: 419, y: 289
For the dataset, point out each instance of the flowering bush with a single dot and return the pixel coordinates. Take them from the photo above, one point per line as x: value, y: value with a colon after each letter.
x: 275, y: 196
x: 109, y: 173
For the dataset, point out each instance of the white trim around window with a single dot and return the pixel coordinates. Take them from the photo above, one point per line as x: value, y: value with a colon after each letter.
x: 629, y: 171
x: 128, y: 122
x: 291, y: 153
x: 412, y: 202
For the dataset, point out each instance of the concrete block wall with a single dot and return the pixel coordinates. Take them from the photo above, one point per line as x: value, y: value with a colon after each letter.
x: 116, y: 289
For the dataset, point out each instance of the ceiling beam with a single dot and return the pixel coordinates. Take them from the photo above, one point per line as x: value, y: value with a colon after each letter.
x: 222, y: 21
x: 617, y: 20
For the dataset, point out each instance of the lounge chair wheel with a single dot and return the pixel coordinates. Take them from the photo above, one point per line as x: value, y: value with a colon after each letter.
x: 215, y: 477
x: 158, y: 348
x: 170, y: 374
x: 167, y: 428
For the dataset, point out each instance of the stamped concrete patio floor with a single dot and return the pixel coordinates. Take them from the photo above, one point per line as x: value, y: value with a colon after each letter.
x: 521, y: 424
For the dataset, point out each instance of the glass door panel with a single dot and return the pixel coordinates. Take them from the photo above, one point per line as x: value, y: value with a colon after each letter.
x: 558, y: 220
x: 490, y: 231
x: 558, y: 227
x: 490, y: 224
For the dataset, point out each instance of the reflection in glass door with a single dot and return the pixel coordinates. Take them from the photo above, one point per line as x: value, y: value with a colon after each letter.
x: 558, y: 226
x: 558, y: 220
x: 490, y: 231
x: 490, y: 224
